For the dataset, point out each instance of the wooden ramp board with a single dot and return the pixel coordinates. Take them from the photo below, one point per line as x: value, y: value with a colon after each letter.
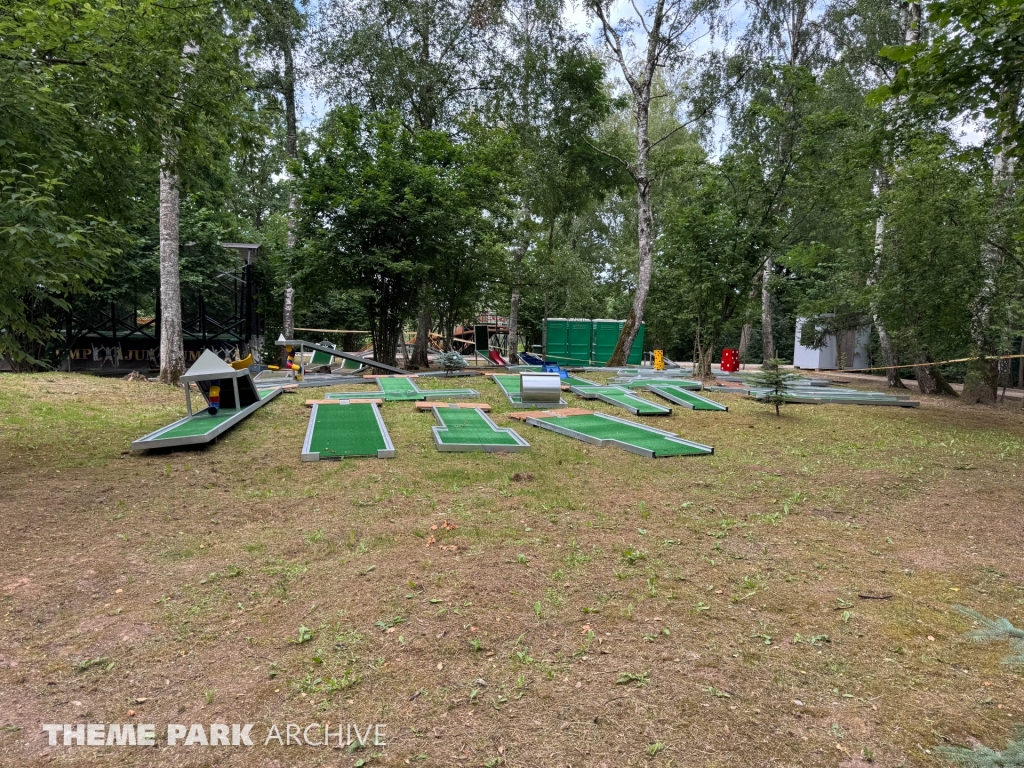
x: 685, y: 398
x: 402, y: 388
x: 470, y: 429
x: 346, y: 429
x: 603, y: 430
x: 623, y: 398
x: 202, y: 427
x: 509, y: 385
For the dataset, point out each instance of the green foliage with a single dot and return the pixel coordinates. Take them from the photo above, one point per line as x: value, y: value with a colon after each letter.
x: 982, y: 757
x: 773, y: 381
x: 993, y: 630
x: 385, y: 208
x: 968, y: 65
x: 451, y: 361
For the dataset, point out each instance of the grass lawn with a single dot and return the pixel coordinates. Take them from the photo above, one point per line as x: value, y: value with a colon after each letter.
x: 785, y: 602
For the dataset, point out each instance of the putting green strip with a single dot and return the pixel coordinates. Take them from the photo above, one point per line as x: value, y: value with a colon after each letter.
x: 201, y: 427
x: 679, y: 383
x: 470, y: 429
x: 575, y: 381
x: 346, y: 429
x: 624, y: 399
x: 509, y: 384
x: 399, y: 389
x: 603, y: 430
x: 687, y: 399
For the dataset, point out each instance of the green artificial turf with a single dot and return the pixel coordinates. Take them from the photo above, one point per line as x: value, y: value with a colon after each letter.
x: 466, y: 426
x: 199, y: 424
x: 679, y: 394
x: 625, y: 399
x: 679, y: 383
x: 606, y: 429
x: 508, y: 382
x: 399, y: 389
x: 321, y: 358
x: 346, y: 430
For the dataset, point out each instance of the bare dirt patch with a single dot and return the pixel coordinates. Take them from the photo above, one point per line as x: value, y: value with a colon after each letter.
x: 576, y: 607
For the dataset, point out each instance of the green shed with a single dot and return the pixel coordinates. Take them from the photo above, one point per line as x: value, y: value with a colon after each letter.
x: 606, y: 336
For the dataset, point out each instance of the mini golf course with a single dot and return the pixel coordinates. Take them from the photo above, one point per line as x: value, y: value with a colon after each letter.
x: 344, y: 429
x: 623, y: 398
x: 402, y: 388
x: 470, y: 429
x: 603, y: 430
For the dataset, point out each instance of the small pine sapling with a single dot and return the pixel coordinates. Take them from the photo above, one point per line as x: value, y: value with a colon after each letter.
x: 992, y: 630
x: 773, y: 381
x: 451, y: 361
x: 980, y: 756
x: 983, y: 757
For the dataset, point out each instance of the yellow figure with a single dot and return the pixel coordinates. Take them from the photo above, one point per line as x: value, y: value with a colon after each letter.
x: 659, y: 360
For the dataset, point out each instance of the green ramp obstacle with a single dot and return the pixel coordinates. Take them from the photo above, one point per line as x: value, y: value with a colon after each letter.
x: 470, y: 429
x: 231, y: 395
x: 640, y: 383
x: 509, y: 384
x: 346, y: 429
x: 402, y: 388
x: 623, y: 398
x: 685, y: 398
x: 603, y: 430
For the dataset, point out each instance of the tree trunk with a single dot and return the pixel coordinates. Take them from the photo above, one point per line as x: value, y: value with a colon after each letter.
x: 645, y: 238
x: 513, y: 311
x: 288, y: 317
x: 172, y: 350
x: 745, y: 333
x: 892, y: 374
x: 981, y: 382
x: 422, y: 346
x: 292, y: 147
x: 767, y: 339
x: 930, y: 379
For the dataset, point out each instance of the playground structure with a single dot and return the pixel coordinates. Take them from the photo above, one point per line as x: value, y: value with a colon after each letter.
x: 231, y: 396
x: 603, y: 430
x: 470, y: 429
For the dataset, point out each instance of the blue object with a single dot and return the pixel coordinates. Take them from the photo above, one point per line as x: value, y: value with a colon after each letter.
x: 549, y: 367
x: 530, y: 359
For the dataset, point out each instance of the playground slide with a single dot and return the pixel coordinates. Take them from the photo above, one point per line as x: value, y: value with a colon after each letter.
x: 603, y: 430
x: 495, y: 357
x: 346, y: 429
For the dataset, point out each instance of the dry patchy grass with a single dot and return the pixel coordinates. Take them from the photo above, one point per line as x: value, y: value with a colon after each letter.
x: 580, y: 607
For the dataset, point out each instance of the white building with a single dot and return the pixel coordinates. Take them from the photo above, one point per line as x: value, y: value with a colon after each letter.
x: 849, y: 351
